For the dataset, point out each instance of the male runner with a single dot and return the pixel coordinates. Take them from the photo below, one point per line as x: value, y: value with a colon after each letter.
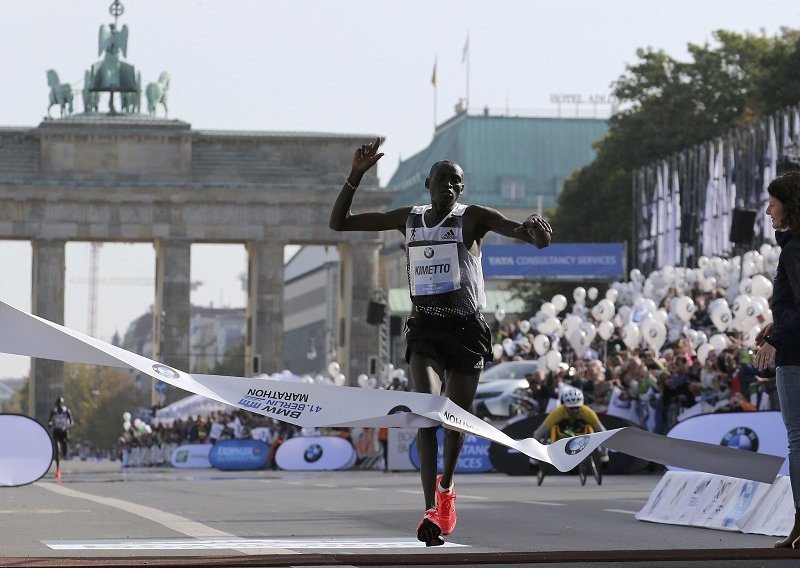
x: 448, y: 340
x: 60, y: 421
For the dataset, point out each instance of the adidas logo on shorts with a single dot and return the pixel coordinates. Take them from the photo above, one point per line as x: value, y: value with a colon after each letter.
x: 451, y: 235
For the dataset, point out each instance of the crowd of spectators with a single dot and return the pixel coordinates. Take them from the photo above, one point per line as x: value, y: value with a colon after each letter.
x: 652, y: 388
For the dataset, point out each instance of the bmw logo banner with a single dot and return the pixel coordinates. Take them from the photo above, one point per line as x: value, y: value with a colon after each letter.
x: 758, y: 432
x: 311, y: 405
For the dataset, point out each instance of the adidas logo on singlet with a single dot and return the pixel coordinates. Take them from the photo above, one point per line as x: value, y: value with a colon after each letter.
x: 451, y: 235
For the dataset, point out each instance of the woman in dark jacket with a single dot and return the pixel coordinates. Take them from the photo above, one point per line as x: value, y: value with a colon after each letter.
x: 779, y: 342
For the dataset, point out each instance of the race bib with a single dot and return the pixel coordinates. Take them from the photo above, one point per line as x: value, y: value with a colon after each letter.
x: 434, y: 269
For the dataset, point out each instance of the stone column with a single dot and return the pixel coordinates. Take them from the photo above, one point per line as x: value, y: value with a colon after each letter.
x: 46, y: 381
x: 264, y: 336
x: 357, y: 340
x: 172, y: 307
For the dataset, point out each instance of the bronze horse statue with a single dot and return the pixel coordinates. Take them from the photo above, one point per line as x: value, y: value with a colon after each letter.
x: 60, y: 94
x: 157, y: 93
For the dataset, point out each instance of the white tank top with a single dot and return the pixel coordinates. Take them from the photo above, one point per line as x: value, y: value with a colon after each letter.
x: 444, y: 279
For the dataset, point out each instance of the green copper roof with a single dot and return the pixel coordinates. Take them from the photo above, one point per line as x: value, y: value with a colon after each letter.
x: 508, y: 161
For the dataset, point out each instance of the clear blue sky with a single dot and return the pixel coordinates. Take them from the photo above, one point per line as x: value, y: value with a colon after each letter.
x: 328, y: 66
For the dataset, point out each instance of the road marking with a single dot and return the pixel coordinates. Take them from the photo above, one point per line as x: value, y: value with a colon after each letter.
x: 623, y: 511
x: 412, y: 491
x: 171, y: 521
x: 325, y: 485
x: 42, y: 511
x: 475, y: 497
x: 545, y: 503
x: 249, y: 544
x: 366, y: 489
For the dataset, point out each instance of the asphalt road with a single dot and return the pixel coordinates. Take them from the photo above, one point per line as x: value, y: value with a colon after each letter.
x: 102, y: 514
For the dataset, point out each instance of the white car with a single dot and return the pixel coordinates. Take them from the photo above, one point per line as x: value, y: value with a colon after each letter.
x: 497, y: 397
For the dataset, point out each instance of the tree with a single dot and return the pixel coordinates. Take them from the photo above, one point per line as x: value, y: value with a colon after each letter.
x: 669, y: 105
x: 97, y: 397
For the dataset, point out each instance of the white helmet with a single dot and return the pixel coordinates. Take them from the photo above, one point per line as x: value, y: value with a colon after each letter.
x: 572, y: 398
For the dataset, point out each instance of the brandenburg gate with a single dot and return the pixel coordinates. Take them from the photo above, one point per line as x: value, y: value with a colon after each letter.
x: 136, y: 178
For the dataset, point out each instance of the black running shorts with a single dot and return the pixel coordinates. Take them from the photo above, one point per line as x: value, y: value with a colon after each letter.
x: 459, y: 344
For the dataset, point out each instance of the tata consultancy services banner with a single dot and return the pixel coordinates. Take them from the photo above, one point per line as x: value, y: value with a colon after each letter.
x: 562, y: 261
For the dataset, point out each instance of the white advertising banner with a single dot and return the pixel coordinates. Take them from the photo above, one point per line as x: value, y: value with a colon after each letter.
x: 191, y: 456
x: 315, y: 453
x: 701, y: 500
x: 311, y: 405
x: 26, y: 450
x: 774, y: 514
x: 719, y: 502
x: 398, y: 445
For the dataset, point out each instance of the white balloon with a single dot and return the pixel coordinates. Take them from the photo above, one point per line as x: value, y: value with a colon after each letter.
x: 548, y: 309
x: 603, y: 310
x: 630, y: 336
x: 685, y: 308
x: 524, y: 326
x: 548, y: 326
x: 656, y: 335
x: 126, y: 416
x: 661, y: 315
x: 746, y: 286
x: 570, y: 324
x: 760, y: 307
x: 579, y: 342
x: 701, y: 338
x: 541, y: 344
x: 760, y: 286
x: 541, y: 362
x: 127, y: 424
x: 612, y: 294
x: 605, y: 329
x: 720, y: 315
x: 703, y: 352
x: 339, y: 380
x: 372, y: 382
x: 553, y: 359
x: 748, y: 268
x: 499, y: 314
x: 509, y: 347
x: 333, y: 369
x: 363, y: 381
x: 497, y: 351
x: 741, y: 310
x: 579, y: 294
x: 749, y: 336
x: 719, y: 342
x: 137, y: 423
x: 559, y: 301
x: 702, y: 262
x: 590, y: 330
x: 591, y: 293
x: 709, y: 284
